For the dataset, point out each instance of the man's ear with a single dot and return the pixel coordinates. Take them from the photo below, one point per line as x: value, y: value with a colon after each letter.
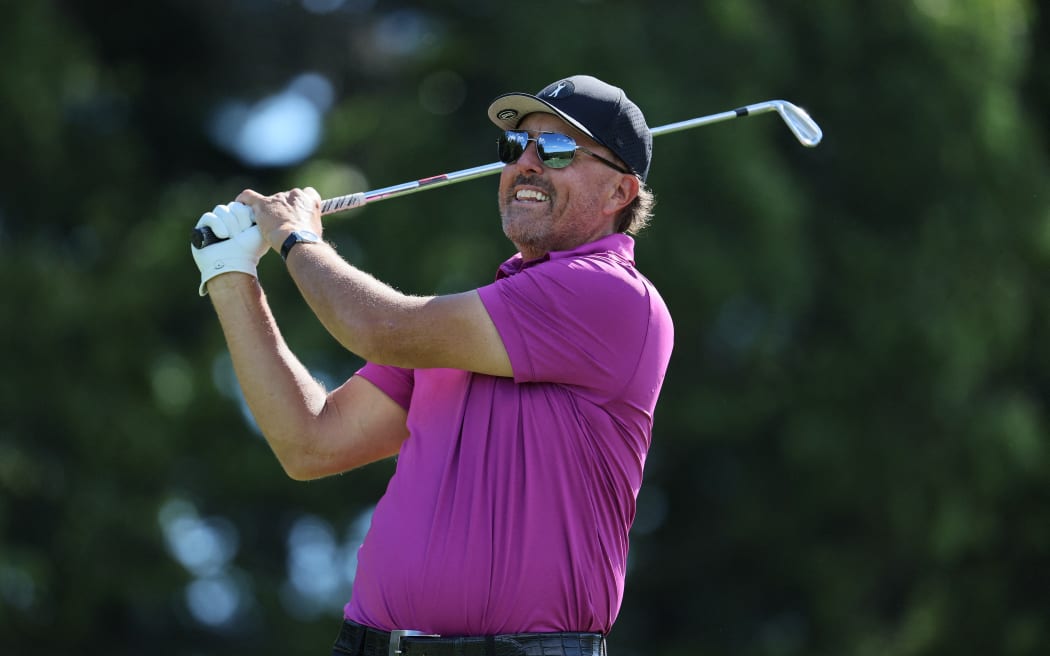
x: 624, y: 191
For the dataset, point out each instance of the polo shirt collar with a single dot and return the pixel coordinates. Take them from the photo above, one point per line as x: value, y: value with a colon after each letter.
x: 618, y: 244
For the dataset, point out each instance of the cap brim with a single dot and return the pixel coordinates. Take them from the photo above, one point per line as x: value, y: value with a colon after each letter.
x: 506, y: 111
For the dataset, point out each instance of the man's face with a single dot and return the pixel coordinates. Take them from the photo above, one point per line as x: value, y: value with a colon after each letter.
x: 545, y: 209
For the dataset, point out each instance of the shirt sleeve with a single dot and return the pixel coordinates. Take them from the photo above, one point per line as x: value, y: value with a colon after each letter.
x: 578, y: 322
x: 395, y: 382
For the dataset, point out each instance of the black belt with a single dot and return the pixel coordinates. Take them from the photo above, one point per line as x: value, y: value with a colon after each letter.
x: 359, y: 640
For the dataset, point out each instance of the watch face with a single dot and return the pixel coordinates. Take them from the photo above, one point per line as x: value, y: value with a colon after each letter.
x: 298, y: 237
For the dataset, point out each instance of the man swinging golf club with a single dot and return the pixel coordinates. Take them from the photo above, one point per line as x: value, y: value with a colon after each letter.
x: 521, y: 411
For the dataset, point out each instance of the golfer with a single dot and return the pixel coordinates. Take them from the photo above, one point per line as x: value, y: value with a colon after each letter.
x: 521, y: 412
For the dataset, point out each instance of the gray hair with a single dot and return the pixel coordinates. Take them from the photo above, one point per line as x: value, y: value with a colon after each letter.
x: 636, y: 216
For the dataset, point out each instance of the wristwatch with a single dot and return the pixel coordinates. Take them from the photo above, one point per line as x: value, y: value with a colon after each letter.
x: 298, y: 237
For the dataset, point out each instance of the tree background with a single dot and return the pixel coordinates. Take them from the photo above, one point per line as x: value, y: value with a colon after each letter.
x: 851, y: 450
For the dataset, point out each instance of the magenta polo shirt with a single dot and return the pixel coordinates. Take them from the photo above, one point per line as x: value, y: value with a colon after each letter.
x: 511, y: 502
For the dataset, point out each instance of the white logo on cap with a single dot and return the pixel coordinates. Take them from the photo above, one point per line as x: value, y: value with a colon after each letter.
x: 558, y: 89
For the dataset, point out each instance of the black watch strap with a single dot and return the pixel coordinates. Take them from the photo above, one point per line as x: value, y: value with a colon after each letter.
x: 298, y: 237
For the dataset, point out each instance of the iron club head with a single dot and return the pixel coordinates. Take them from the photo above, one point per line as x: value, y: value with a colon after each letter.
x: 800, y: 123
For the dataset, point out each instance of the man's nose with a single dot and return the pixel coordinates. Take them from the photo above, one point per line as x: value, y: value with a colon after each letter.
x: 530, y: 157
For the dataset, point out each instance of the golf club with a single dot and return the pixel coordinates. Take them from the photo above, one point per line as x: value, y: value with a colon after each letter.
x: 798, y: 121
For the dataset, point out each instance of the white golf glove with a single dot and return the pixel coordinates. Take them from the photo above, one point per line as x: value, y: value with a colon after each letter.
x: 241, y: 249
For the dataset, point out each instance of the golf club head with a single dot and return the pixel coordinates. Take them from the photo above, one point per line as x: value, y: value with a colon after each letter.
x: 799, y: 122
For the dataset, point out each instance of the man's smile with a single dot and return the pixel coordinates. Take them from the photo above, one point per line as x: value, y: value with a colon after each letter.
x: 531, y: 195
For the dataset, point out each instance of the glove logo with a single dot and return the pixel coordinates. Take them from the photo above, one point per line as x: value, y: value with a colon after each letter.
x: 219, y: 265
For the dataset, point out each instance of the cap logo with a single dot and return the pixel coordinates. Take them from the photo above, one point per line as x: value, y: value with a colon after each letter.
x: 506, y: 114
x: 559, y: 90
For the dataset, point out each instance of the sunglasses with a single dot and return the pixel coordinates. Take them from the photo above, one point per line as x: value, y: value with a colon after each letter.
x: 556, y: 150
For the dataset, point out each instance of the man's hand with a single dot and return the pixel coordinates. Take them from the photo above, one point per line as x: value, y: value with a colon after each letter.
x: 281, y: 214
x: 241, y: 250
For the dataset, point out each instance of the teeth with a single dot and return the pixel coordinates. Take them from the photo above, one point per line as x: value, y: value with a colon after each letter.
x: 530, y: 194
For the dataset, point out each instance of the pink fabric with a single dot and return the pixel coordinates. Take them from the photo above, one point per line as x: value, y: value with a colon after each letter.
x: 511, y: 503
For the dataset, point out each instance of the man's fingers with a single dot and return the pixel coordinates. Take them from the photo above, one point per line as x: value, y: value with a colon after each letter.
x: 281, y: 213
x: 217, y: 225
x: 243, y: 213
x: 306, y: 198
x: 249, y: 197
x: 236, y: 216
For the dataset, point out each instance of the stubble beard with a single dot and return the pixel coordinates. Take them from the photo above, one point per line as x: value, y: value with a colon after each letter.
x: 528, y: 228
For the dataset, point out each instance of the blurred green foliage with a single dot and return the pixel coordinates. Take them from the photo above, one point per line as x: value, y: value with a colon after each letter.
x: 851, y: 451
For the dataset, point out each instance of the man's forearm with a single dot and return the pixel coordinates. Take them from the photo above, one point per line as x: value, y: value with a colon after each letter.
x: 282, y: 395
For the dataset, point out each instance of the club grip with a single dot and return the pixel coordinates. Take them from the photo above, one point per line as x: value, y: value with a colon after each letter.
x: 201, y: 237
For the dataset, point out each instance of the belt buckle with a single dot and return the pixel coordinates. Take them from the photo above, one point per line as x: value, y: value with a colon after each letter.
x: 397, y: 634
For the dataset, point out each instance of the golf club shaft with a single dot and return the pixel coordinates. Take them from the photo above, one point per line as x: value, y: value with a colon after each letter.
x: 802, y: 126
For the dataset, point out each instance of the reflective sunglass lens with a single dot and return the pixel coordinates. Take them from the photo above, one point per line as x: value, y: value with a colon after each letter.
x: 511, y: 145
x: 556, y: 150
